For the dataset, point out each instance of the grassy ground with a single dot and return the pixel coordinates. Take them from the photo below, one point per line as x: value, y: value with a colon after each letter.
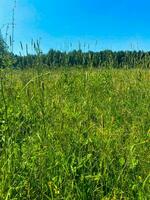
x: 75, y: 134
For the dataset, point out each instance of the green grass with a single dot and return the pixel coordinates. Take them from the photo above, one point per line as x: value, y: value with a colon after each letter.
x: 75, y: 134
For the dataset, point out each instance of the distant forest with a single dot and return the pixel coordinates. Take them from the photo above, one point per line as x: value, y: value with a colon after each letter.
x: 107, y: 58
x: 75, y: 58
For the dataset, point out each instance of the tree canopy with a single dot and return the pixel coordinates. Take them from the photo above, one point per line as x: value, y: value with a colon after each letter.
x: 6, y: 58
x: 107, y: 59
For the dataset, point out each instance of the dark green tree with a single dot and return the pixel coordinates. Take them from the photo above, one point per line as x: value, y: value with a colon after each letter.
x: 6, y: 58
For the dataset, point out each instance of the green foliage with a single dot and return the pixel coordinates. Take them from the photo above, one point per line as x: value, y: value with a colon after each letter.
x: 74, y: 134
x: 102, y: 59
x: 3, y: 46
x: 6, y: 59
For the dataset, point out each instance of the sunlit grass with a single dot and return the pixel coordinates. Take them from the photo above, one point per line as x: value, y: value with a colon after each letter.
x: 75, y: 134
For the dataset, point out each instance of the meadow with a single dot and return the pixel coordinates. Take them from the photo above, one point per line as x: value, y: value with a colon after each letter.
x: 80, y: 134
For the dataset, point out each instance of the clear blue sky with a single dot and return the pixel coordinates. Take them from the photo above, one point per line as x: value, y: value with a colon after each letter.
x: 114, y: 24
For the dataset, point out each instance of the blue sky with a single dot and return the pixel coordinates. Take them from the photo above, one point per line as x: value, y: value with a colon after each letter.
x: 114, y: 24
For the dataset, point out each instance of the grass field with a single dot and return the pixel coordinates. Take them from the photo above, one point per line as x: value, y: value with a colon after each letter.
x: 75, y: 134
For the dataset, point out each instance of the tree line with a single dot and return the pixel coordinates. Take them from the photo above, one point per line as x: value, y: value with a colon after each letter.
x: 75, y: 58
x: 78, y: 58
